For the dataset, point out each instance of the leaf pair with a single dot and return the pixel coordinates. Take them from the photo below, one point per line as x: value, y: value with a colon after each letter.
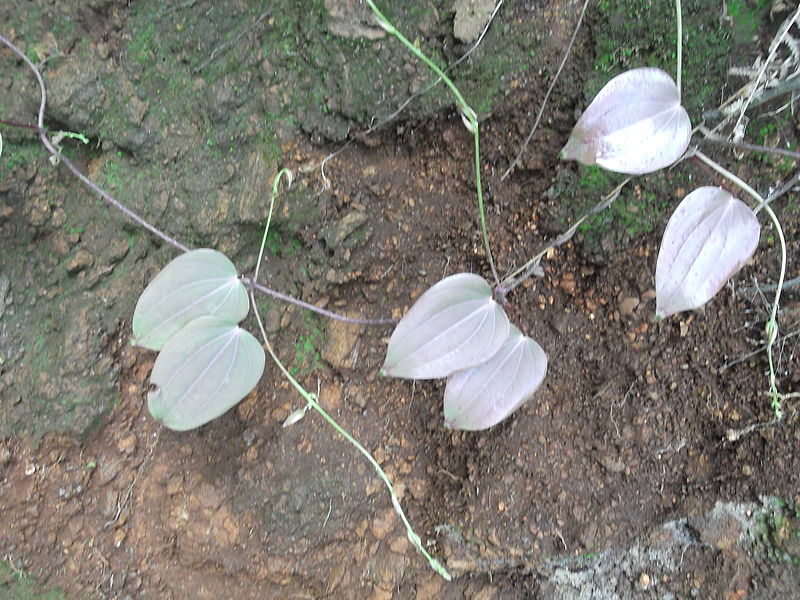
x: 458, y: 331
x: 637, y: 125
x: 206, y: 364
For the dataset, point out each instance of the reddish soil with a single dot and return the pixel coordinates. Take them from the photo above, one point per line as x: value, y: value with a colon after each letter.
x: 634, y: 426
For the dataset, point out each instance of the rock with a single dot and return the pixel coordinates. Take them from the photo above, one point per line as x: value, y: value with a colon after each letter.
x: 352, y: 19
x: 720, y: 528
x: 117, y: 250
x: 127, y: 444
x: 82, y: 260
x: 341, y: 340
x: 208, y: 496
x: 5, y: 456
x: 336, y: 233
x: 609, y: 463
x: 471, y: 17
x: 108, y: 469
x: 175, y: 484
x: 5, y: 285
x: 272, y: 320
x: 77, y: 92
x: 628, y: 305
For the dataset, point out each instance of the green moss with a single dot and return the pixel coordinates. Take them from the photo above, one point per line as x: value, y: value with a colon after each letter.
x: 746, y: 17
x: 16, y: 585
x: 778, y: 533
x: 282, y: 245
x: 635, y: 212
x: 632, y: 33
x: 307, y: 357
x: 18, y: 155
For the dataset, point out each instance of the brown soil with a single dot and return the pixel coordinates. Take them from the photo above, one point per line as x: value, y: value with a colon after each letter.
x: 632, y: 427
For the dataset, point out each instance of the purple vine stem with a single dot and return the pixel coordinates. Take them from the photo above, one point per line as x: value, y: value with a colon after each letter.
x: 42, y: 132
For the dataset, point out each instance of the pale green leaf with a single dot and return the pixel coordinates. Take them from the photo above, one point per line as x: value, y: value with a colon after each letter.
x: 482, y: 396
x: 454, y: 325
x: 202, y: 371
x: 198, y: 283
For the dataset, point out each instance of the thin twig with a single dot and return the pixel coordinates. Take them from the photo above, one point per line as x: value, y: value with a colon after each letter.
x: 774, y: 48
x: 532, y: 266
x: 785, y: 87
x: 771, y: 287
x: 377, y: 123
x: 547, y: 95
x: 713, y: 139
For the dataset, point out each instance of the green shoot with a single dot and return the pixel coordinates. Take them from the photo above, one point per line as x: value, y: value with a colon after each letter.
x: 311, y: 399
x: 469, y: 116
x: 772, y: 324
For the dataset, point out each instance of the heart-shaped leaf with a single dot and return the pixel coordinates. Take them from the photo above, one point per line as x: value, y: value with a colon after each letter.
x: 202, y: 371
x: 634, y: 125
x: 198, y: 283
x: 454, y: 325
x: 707, y: 240
x: 482, y: 396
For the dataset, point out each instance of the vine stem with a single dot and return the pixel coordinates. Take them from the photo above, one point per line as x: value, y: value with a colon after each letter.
x: 311, y: 400
x: 468, y: 114
x: 771, y: 327
x: 42, y: 132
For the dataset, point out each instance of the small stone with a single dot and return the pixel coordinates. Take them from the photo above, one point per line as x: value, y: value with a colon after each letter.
x: 615, y: 465
x: 350, y: 19
x: 335, y: 233
x: 175, y: 484
x: 80, y: 261
x: 628, y: 305
x: 400, y: 544
x: 107, y: 469
x: 567, y: 283
x: 487, y: 593
x: 60, y: 245
x: 208, y: 496
x: 272, y: 320
x: 471, y: 17
x: 381, y: 594
x: 644, y: 581
x: 110, y: 504
x: 339, y: 345
x: 117, y: 250
x: 119, y: 537
x: 127, y: 444
x: 418, y: 488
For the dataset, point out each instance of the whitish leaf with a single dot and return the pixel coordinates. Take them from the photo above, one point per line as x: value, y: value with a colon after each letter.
x: 707, y: 240
x: 482, y: 396
x: 195, y: 284
x: 202, y: 371
x: 634, y: 125
x: 454, y: 325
